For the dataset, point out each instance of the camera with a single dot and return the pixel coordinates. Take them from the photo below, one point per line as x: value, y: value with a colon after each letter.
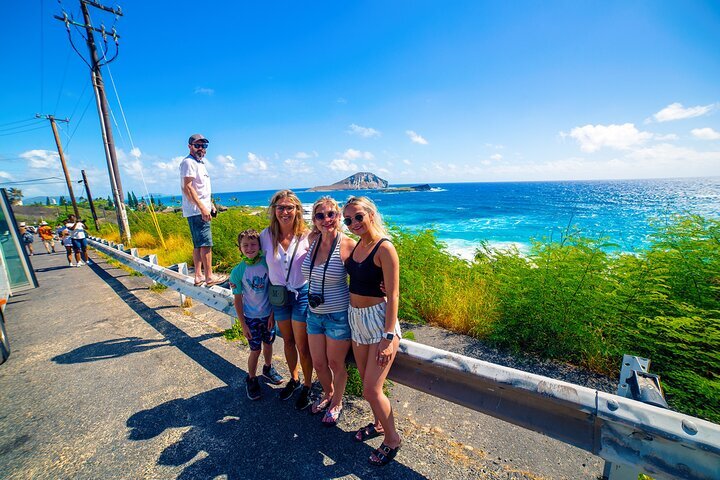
x: 315, y: 300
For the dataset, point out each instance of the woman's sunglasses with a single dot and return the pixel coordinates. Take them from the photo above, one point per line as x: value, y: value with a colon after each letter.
x: 285, y: 208
x: 320, y: 216
x: 359, y: 217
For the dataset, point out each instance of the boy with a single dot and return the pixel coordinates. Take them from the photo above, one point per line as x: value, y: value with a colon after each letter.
x: 249, y: 283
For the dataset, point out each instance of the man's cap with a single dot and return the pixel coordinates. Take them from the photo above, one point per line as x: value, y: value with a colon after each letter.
x: 197, y: 138
x: 43, y: 223
x: 22, y: 224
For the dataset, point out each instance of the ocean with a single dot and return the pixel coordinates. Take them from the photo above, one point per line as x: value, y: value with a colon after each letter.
x: 514, y: 213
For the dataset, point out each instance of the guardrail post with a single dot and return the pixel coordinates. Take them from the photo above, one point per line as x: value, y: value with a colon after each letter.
x: 151, y: 258
x: 182, y: 269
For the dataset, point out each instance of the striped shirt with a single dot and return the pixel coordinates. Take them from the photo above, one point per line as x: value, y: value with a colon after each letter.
x: 337, y: 295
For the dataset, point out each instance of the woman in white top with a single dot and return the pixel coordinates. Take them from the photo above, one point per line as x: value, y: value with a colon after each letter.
x: 79, y: 240
x: 285, y: 243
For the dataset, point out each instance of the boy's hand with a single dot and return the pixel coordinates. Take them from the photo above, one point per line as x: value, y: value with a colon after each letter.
x: 246, y: 330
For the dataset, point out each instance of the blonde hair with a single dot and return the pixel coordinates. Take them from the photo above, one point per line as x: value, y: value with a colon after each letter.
x: 326, y: 199
x: 299, y: 227
x: 371, y: 209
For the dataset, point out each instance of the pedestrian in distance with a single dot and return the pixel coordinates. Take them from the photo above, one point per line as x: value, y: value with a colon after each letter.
x: 46, y: 235
x: 373, y: 318
x: 79, y: 239
x: 198, y: 208
x: 328, y: 299
x: 249, y: 282
x: 285, y: 243
x: 66, y: 241
x: 27, y: 238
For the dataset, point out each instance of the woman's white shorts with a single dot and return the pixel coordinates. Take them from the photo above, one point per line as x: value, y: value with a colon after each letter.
x: 367, y: 325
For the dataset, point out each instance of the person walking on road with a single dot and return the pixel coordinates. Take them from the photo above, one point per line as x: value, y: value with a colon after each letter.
x: 46, y: 235
x: 374, y: 271
x: 27, y: 238
x: 79, y: 240
x: 198, y: 208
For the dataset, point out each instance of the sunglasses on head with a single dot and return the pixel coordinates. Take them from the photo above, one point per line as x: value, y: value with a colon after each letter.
x: 285, y: 208
x: 200, y: 145
x: 320, y: 216
x: 359, y: 217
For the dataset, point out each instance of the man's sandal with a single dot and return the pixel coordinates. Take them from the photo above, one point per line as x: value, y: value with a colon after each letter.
x: 366, y: 433
x: 332, y: 416
x: 383, y: 455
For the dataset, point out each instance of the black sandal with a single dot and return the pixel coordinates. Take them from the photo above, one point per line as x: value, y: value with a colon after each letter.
x: 366, y: 433
x: 384, y: 455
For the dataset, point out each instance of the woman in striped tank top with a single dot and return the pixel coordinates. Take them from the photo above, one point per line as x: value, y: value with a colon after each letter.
x: 328, y: 298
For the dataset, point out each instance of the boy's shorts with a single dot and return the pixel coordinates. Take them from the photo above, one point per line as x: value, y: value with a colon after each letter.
x: 200, y: 231
x: 259, y: 332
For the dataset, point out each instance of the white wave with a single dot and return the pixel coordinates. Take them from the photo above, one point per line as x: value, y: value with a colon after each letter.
x: 438, y: 189
x: 465, y: 249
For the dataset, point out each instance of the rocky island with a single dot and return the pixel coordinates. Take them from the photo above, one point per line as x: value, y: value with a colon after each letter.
x: 366, y: 181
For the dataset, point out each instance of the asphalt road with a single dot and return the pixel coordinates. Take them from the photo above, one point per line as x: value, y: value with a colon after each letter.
x: 108, y: 379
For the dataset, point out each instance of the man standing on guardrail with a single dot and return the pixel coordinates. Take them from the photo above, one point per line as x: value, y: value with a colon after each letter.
x: 197, y: 207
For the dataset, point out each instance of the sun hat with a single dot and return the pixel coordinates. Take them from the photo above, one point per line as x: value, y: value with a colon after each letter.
x: 22, y: 224
x: 43, y: 222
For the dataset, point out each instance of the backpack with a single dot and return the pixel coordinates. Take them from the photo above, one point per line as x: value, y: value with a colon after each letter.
x: 28, y: 237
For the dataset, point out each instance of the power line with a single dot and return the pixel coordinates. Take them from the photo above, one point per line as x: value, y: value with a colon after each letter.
x: 37, y: 180
x: 31, y: 119
x: 21, y: 131
x: 18, y: 127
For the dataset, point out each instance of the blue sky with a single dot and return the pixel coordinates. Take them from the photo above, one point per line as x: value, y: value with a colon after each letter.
x: 296, y: 94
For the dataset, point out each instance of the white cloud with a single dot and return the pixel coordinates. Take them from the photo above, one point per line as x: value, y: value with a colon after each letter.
x: 45, y: 159
x: 407, y: 162
x: 227, y: 162
x: 204, y: 91
x: 705, y: 133
x: 594, y: 137
x: 496, y: 157
x: 675, y: 111
x: 5, y: 175
x: 665, y: 138
x: 296, y: 165
x: 365, y: 132
x: 416, y: 138
x: 305, y: 155
x: 172, y: 166
x: 345, y: 162
x: 135, y: 152
x: 255, y: 164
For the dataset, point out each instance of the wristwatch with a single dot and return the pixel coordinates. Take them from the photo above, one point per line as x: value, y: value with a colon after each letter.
x: 388, y: 336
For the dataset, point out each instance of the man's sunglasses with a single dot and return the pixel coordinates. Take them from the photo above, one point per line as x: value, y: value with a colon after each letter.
x: 320, y: 216
x: 200, y: 145
x: 359, y: 217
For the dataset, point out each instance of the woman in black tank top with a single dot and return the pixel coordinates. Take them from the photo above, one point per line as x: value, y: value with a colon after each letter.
x: 373, y: 318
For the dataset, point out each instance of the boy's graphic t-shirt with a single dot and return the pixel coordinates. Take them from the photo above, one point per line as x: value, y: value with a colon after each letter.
x: 251, y: 281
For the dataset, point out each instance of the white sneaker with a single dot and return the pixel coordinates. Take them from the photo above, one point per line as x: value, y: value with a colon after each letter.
x: 81, y: 263
x: 72, y: 264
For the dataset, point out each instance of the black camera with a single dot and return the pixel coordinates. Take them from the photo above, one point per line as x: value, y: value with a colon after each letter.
x: 315, y: 300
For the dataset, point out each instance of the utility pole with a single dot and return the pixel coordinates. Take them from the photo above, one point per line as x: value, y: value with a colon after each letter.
x: 90, y: 199
x: 102, y: 105
x: 62, y: 158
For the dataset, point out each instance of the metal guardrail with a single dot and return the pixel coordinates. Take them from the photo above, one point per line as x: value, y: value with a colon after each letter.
x: 659, y: 442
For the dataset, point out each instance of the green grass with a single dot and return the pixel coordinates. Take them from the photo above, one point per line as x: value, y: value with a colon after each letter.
x: 235, y: 333
x: 158, y: 287
x: 409, y: 335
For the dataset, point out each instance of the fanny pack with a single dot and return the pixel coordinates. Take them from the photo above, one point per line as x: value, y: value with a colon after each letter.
x: 279, y: 295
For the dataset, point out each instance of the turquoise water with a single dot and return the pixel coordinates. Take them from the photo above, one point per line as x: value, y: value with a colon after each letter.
x: 463, y: 214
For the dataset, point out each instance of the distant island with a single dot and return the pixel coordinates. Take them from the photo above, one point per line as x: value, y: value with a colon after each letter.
x: 366, y: 181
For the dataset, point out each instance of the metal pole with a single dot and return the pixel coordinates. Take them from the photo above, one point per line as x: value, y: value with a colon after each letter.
x: 90, y: 200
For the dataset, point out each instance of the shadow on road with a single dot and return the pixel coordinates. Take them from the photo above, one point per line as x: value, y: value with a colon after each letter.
x: 118, y: 347
x: 242, y: 439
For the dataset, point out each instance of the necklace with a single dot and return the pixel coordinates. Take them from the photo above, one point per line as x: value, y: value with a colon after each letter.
x: 367, y: 244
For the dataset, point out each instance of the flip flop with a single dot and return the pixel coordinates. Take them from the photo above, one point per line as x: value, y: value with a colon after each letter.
x: 217, y: 280
x: 200, y: 283
x: 320, y: 404
x: 383, y: 455
x: 332, y: 416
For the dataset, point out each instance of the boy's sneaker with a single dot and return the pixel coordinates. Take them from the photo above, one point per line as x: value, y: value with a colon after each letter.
x: 289, y: 389
x: 304, y: 399
x: 272, y: 375
x: 252, y: 386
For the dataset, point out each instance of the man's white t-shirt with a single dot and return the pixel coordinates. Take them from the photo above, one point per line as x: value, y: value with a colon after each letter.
x: 195, y: 169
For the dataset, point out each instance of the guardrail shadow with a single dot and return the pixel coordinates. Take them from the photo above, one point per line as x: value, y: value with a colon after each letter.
x: 117, y: 347
x: 234, y: 436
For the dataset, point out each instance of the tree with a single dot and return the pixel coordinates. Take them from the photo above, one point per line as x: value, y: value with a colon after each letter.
x: 135, y: 200
x: 129, y: 199
x: 47, y: 201
x: 63, y: 201
x: 15, y: 195
x: 110, y: 203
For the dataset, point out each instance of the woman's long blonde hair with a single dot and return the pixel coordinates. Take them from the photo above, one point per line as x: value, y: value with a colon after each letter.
x: 326, y: 199
x: 371, y: 209
x: 299, y: 227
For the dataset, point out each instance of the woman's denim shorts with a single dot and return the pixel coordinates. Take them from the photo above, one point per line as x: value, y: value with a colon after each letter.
x: 332, y: 325
x: 296, y: 309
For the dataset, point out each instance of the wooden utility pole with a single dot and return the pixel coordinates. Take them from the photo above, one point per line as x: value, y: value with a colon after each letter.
x: 62, y: 158
x: 102, y: 106
x: 90, y: 199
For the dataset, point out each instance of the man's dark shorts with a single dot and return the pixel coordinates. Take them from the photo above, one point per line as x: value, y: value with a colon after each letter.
x: 200, y: 231
x: 259, y: 332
